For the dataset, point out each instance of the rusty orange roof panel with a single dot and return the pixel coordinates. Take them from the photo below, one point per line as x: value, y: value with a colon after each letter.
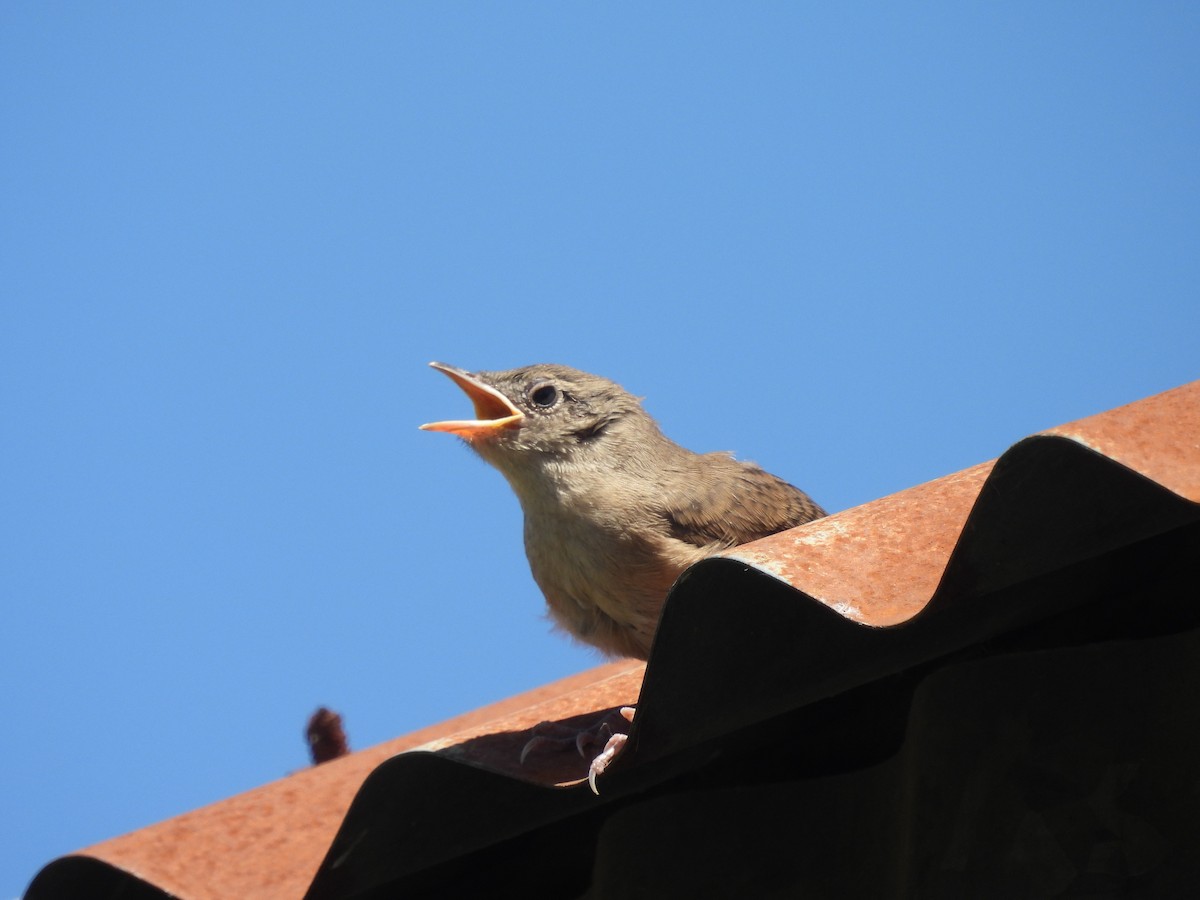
x: 268, y: 842
x: 768, y: 628
x: 881, y: 563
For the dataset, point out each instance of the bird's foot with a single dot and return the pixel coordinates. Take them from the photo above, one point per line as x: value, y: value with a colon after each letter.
x: 556, y: 737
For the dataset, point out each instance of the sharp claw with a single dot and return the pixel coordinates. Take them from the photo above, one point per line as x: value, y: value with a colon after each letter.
x: 585, y: 739
x: 530, y: 745
x: 600, y: 763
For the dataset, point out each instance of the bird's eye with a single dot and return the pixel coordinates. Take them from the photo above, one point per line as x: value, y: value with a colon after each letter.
x: 544, y: 396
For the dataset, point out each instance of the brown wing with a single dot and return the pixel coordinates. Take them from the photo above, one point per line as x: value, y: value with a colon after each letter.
x: 724, y: 501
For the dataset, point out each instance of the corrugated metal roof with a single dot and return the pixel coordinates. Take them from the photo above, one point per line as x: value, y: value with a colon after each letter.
x: 769, y: 631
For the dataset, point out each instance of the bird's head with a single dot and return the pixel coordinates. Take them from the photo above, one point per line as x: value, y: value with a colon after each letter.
x: 543, y: 410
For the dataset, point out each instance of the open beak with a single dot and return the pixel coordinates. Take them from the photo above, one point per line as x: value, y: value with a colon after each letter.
x: 493, y: 411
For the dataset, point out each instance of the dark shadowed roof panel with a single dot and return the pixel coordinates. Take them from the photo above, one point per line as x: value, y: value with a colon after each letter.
x: 773, y: 627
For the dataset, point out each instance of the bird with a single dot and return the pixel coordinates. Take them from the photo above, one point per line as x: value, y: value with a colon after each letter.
x: 614, y: 510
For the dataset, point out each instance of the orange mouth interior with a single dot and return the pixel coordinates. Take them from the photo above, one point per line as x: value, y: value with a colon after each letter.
x: 493, y: 411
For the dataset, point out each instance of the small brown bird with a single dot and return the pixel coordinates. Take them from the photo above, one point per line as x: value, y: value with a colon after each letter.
x: 614, y: 509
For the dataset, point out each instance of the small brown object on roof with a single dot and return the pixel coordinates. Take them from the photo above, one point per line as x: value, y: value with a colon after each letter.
x: 984, y: 685
x: 326, y: 736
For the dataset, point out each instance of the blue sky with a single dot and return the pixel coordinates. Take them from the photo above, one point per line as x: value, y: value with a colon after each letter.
x: 865, y: 245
